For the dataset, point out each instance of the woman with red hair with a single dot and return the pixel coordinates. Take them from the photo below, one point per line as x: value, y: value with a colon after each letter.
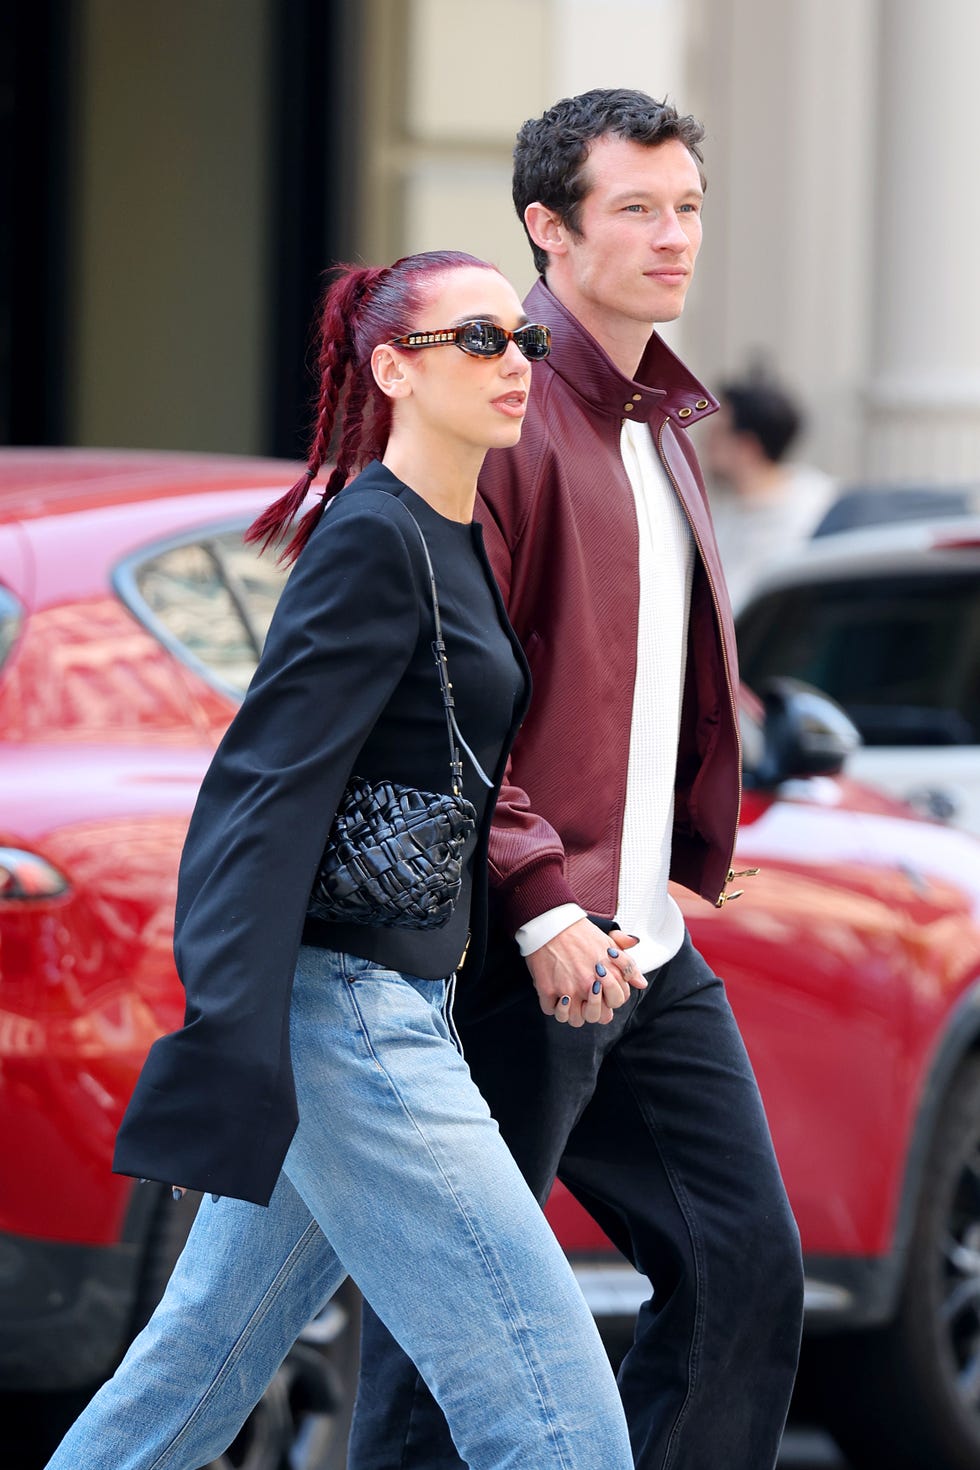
x: 316, y: 1094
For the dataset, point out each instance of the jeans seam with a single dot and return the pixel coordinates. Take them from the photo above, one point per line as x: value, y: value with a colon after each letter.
x: 497, y: 1278
x: 403, y: 1461
x: 234, y: 1352
x: 687, y: 1215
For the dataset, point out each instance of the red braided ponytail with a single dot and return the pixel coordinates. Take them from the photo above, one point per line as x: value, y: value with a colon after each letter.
x: 364, y: 305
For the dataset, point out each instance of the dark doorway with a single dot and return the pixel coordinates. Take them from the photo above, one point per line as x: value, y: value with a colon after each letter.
x: 136, y: 313
x: 34, y: 237
x: 315, y: 191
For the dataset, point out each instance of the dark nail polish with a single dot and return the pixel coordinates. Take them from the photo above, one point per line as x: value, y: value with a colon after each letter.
x: 178, y: 1194
x: 600, y: 970
x: 597, y: 987
x: 636, y: 937
x: 566, y: 1000
x: 215, y: 1198
x: 612, y: 953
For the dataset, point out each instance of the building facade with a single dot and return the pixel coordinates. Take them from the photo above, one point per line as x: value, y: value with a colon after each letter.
x: 220, y: 153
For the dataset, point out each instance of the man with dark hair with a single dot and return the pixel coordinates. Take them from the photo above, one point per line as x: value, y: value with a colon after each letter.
x: 552, y: 151
x: 763, y: 411
x: 625, y: 773
x: 765, y: 504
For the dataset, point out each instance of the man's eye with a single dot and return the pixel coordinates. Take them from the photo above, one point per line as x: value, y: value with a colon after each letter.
x: 634, y: 208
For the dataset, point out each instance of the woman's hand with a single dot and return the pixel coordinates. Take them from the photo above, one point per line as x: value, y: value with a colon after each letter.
x: 583, y: 974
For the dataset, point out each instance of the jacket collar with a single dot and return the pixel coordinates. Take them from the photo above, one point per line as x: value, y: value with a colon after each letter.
x: 662, y: 384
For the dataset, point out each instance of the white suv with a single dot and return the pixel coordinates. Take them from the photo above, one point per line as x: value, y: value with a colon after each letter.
x: 886, y: 620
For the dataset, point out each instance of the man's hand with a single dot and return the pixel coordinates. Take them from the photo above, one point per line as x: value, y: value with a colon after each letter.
x: 584, y: 974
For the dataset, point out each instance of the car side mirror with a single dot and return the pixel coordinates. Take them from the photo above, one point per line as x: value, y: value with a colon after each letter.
x: 805, y: 733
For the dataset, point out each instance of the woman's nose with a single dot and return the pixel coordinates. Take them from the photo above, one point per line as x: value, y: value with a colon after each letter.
x: 514, y: 360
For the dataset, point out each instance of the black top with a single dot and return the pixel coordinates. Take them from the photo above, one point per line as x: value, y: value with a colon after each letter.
x: 488, y: 684
x: 347, y: 684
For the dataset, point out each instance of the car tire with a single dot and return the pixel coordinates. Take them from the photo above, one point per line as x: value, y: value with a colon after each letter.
x: 303, y: 1419
x: 907, y: 1395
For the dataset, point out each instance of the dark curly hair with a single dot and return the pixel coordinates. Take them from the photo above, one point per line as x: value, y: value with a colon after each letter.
x: 767, y: 412
x: 551, y: 151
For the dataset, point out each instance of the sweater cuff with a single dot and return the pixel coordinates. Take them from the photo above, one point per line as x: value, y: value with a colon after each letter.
x: 537, y: 932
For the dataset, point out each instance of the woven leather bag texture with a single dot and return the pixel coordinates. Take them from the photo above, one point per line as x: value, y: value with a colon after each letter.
x: 394, y: 857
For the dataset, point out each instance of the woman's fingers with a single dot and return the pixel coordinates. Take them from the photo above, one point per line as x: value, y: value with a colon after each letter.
x: 583, y: 975
x: 577, y: 1011
x: 605, y: 994
x: 592, y: 1005
x: 631, y: 974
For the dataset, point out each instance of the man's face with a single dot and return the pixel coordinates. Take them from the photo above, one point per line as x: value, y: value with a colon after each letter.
x: 639, y: 234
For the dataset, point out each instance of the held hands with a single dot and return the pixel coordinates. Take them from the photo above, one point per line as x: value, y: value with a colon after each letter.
x: 584, y: 974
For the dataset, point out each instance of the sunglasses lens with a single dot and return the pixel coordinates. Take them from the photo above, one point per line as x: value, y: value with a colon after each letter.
x: 486, y: 339
x: 482, y: 339
x: 534, y: 342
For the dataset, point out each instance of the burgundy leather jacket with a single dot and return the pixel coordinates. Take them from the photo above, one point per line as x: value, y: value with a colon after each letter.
x: 560, y: 528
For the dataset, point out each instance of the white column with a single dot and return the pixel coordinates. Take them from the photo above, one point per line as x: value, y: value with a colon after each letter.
x: 449, y: 82
x: 923, y: 409
x: 786, y: 90
x: 634, y: 43
x: 642, y: 44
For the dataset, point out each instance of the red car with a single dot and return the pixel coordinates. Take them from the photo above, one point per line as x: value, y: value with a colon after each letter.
x: 131, y: 618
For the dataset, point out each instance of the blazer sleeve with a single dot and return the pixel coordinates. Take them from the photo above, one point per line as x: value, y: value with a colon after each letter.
x: 341, y: 638
x: 340, y: 641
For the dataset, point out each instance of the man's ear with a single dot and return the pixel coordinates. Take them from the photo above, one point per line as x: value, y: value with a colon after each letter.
x: 546, y: 229
x: 388, y: 368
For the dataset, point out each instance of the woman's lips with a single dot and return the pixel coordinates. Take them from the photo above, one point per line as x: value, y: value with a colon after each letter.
x: 512, y: 404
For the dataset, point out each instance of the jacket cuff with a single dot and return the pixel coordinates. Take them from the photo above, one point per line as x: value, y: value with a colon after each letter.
x: 534, y: 891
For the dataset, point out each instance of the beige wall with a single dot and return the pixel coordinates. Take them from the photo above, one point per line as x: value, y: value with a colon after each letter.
x: 840, y: 139
x: 840, y: 223
x: 787, y: 92
x: 451, y: 82
x: 171, y: 188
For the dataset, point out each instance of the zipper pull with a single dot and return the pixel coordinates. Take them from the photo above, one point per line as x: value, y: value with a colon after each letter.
x: 742, y: 873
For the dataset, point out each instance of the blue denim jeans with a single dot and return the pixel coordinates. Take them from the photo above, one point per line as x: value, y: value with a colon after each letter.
x: 397, y: 1176
x: 655, y: 1124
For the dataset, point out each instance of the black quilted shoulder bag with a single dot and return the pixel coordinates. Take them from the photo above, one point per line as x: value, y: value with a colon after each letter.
x: 394, y: 856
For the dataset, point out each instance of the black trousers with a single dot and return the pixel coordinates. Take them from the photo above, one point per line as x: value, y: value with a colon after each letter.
x: 655, y: 1124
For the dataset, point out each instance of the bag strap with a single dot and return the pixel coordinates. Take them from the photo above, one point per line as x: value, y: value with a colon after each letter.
x: 445, y: 684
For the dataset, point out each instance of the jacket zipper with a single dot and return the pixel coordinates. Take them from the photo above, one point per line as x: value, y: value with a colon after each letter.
x: 723, y: 897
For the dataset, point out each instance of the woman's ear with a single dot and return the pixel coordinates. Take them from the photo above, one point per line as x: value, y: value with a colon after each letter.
x: 545, y: 229
x: 388, y: 367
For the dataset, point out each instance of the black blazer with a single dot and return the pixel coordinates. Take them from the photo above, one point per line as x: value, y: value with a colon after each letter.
x: 347, y: 669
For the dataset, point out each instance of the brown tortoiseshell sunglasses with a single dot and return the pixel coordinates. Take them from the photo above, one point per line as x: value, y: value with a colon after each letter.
x: 482, y: 339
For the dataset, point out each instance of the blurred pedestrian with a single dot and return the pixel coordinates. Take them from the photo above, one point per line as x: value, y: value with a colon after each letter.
x: 316, y: 1092
x: 625, y: 773
x: 765, y: 504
